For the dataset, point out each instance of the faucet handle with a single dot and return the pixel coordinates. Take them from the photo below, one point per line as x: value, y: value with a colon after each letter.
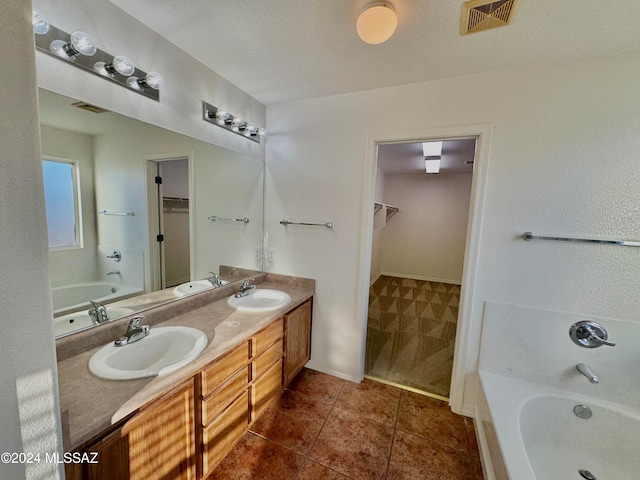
x: 589, y: 334
x: 245, y: 283
x: 135, y: 322
x: 595, y: 339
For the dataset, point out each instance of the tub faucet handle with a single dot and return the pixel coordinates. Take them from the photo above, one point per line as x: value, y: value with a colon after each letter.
x: 589, y: 334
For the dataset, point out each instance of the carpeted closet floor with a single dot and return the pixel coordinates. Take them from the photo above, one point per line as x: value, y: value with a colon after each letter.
x: 411, y: 332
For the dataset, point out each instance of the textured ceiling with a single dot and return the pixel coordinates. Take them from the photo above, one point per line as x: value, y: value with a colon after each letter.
x: 282, y: 50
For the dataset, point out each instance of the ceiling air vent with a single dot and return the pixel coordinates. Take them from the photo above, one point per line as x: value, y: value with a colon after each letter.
x: 480, y: 15
x: 89, y: 107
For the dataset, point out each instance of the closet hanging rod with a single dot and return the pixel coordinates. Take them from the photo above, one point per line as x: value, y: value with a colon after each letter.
x: 287, y: 222
x: 176, y: 199
x: 213, y: 218
x: 120, y: 214
x: 624, y: 243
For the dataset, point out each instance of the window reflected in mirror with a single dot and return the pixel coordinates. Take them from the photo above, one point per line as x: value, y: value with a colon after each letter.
x: 63, y: 207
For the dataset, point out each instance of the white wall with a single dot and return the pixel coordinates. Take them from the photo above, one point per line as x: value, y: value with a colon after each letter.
x: 563, y: 161
x: 226, y: 184
x: 378, y: 229
x: 77, y: 264
x: 426, y: 237
x: 27, y: 331
x: 187, y: 81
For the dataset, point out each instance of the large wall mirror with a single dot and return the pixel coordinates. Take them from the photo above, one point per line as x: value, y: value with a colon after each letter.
x: 138, y: 215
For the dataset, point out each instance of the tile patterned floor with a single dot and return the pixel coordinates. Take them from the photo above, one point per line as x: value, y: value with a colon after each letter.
x: 325, y: 428
x: 411, y: 333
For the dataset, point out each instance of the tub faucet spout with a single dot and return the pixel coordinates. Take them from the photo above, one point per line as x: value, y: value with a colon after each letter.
x: 585, y: 370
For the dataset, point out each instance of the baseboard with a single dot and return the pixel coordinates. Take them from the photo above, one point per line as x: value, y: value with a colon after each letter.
x: 375, y: 279
x: 334, y: 373
x: 419, y: 277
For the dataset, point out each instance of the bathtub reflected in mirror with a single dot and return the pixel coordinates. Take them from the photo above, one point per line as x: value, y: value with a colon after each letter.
x: 100, y: 171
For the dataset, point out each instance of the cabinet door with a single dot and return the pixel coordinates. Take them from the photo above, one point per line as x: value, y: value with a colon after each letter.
x: 156, y: 444
x: 161, y: 439
x: 113, y: 459
x: 298, y: 341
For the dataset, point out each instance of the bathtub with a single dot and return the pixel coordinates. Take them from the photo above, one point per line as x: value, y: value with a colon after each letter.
x: 74, y: 297
x: 539, y: 437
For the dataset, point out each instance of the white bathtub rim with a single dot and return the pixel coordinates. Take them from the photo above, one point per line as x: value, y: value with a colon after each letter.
x: 124, y: 291
x: 506, y: 396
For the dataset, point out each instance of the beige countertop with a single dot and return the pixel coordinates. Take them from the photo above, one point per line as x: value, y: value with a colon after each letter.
x: 91, y: 405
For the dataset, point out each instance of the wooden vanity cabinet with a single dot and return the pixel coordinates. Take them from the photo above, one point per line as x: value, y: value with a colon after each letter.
x: 297, y: 326
x: 234, y: 389
x: 185, y: 434
x: 157, y: 443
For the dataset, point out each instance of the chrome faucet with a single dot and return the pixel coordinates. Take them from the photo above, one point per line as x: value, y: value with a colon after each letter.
x: 246, y: 289
x: 589, y: 334
x: 98, y: 313
x: 134, y: 332
x: 215, y: 279
x: 585, y: 370
x: 114, y: 272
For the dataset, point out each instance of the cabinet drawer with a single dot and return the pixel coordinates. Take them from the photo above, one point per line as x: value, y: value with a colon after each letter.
x: 265, y: 389
x: 263, y: 361
x: 221, y: 398
x: 217, y: 373
x: 219, y: 438
x: 268, y: 336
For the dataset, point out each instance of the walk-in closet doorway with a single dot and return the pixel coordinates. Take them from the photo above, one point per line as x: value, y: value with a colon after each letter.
x: 421, y: 215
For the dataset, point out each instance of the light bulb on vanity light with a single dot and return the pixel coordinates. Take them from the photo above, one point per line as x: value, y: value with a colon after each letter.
x: 236, y: 122
x: 39, y: 22
x: 250, y: 130
x: 120, y: 64
x: 261, y: 132
x: 80, y: 44
x: 222, y: 115
x: 152, y: 80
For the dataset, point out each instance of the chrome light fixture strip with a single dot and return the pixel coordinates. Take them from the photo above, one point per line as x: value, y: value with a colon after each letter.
x: 209, y: 115
x: 86, y: 63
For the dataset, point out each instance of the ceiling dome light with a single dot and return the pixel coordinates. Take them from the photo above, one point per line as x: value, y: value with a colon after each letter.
x: 40, y: 24
x: 377, y: 23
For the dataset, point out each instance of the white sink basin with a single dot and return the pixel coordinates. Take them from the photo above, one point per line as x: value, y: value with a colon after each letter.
x: 79, y: 320
x: 260, y: 300
x: 196, y: 286
x: 163, y: 351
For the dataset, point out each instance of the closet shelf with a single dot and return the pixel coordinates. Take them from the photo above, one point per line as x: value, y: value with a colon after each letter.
x: 389, y: 209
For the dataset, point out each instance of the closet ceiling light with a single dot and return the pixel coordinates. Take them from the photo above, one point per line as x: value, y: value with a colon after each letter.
x: 431, y: 149
x: 377, y: 23
x: 432, y: 165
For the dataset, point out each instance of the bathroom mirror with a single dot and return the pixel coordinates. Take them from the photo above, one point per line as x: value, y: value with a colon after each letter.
x: 115, y: 232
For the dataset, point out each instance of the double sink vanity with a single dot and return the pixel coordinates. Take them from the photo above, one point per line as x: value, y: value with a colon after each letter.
x: 174, y: 403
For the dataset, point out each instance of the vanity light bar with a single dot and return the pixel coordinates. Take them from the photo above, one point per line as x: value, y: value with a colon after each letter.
x: 221, y: 117
x: 117, y: 69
